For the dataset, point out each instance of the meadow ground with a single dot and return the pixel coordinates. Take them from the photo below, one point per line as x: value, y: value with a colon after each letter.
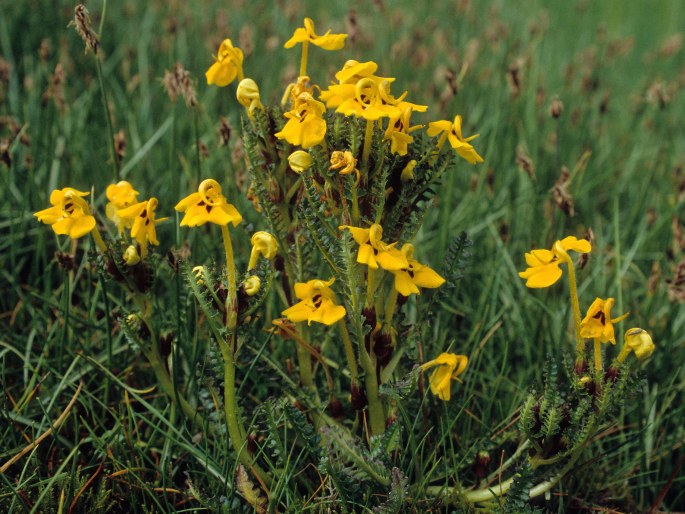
x: 593, y: 88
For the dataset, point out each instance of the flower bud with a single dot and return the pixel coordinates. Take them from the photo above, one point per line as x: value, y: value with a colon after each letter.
x: 300, y: 161
x: 639, y: 341
x: 252, y: 285
x: 408, y: 171
x: 248, y: 95
x: 131, y: 257
x: 199, y: 273
x: 262, y: 243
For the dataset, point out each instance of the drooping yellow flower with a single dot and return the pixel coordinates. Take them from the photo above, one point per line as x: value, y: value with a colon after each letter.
x: 345, y: 163
x: 307, y: 34
x: 543, y: 265
x: 415, y: 275
x: 598, y: 324
x: 248, y: 96
x: 120, y: 196
x: 306, y: 126
x: 398, y: 131
x: 228, y: 65
x: 208, y: 205
x: 638, y: 341
x: 263, y: 244
x: 373, y: 251
x: 318, y: 303
x: 252, y: 285
x: 451, y: 131
x: 449, y: 367
x: 408, y: 171
x: 142, y: 218
x: 130, y: 256
x: 69, y: 214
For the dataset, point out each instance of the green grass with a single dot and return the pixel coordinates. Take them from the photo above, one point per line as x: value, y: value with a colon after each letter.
x: 126, y: 448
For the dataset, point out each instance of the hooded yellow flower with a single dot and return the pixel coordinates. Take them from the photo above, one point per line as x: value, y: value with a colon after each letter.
x: 638, y: 341
x: 69, y: 214
x: 452, y: 132
x: 373, y: 251
x: 318, y: 303
x: 409, y: 279
x: 264, y: 244
x: 398, y: 132
x: 543, y: 265
x: 142, y: 218
x: 345, y: 164
x: 307, y: 34
x: 450, y: 366
x: 306, y: 126
x: 207, y: 205
x: 228, y: 65
x: 120, y: 196
x: 598, y: 324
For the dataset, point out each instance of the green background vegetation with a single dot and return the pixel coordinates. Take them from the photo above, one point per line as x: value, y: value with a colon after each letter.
x: 619, y: 69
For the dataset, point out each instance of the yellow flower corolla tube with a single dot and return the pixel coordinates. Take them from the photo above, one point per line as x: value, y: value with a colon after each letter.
x: 263, y: 244
x: 207, y: 205
x: 543, y: 265
x: 120, y: 196
x: 306, y: 126
x: 228, y: 65
x: 317, y: 303
x: 451, y: 131
x: 598, y: 324
x: 307, y: 34
x: 248, y: 96
x: 415, y: 275
x: 373, y: 251
x: 638, y: 341
x: 131, y: 257
x: 252, y: 285
x: 449, y: 367
x: 142, y: 217
x: 300, y: 161
x: 345, y: 164
x: 69, y: 214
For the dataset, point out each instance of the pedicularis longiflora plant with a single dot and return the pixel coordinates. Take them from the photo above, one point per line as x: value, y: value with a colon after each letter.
x: 341, y: 181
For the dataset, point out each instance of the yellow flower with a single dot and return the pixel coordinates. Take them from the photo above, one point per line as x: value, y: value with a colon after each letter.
x: 306, y: 126
x: 300, y: 161
x: 543, y: 265
x: 318, y: 303
x: 345, y: 163
x: 408, y: 171
x: 252, y: 285
x: 207, y: 205
x: 228, y: 65
x: 373, y: 252
x: 598, y: 324
x: 142, y: 217
x: 120, y: 196
x: 307, y: 34
x: 398, y: 132
x: 365, y: 99
x: 248, y: 96
x: 450, y: 366
x: 264, y: 244
x: 409, y: 279
x: 69, y: 214
x: 131, y: 257
x: 639, y: 341
x: 452, y: 132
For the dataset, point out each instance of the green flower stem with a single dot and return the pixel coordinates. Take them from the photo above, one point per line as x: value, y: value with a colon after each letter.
x: 368, y: 138
x: 305, y: 361
x: 108, y: 117
x: 349, y: 352
x: 303, y: 60
x: 376, y: 414
x: 390, y: 307
x: 231, y: 298
x: 355, y: 206
x: 370, y: 286
x: 165, y: 382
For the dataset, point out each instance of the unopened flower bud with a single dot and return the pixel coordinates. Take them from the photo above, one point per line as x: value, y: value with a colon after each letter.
x: 131, y: 257
x: 252, y: 285
x: 300, y: 161
x: 199, y: 273
x: 639, y: 341
x: 248, y: 95
x: 262, y: 243
x: 408, y: 171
